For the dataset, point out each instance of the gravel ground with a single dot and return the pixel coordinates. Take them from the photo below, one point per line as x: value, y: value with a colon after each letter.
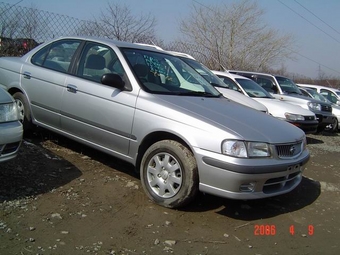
x: 59, y: 197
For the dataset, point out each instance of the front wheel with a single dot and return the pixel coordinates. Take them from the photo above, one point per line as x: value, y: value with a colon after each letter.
x: 332, y: 127
x: 24, y: 111
x: 169, y: 174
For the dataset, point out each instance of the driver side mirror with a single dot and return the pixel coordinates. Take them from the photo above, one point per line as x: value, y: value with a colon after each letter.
x: 113, y: 80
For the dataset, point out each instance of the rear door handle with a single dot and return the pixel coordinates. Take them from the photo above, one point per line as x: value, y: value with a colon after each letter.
x: 72, y: 88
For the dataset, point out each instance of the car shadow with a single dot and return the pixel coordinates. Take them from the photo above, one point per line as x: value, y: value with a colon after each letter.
x: 303, y: 195
x: 312, y: 139
x: 42, y: 135
x: 33, y: 172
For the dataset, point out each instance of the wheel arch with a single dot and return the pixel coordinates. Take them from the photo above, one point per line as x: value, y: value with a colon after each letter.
x: 14, y: 90
x: 153, y: 138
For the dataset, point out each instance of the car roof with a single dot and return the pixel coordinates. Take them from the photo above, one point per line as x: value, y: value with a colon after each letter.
x: 181, y: 54
x: 318, y: 86
x: 249, y: 72
x: 231, y: 75
x: 112, y: 42
x: 258, y: 73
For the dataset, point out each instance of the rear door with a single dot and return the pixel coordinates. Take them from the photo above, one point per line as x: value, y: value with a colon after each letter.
x: 95, y: 113
x: 43, y: 80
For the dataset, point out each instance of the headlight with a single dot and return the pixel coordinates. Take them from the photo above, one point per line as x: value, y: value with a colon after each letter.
x: 314, y: 106
x: 294, y: 117
x: 8, y: 112
x: 242, y: 149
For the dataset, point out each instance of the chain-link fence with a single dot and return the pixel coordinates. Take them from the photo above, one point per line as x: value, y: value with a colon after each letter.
x: 22, y: 28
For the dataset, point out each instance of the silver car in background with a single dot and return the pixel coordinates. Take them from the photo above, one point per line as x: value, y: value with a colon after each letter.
x: 10, y: 127
x: 153, y: 110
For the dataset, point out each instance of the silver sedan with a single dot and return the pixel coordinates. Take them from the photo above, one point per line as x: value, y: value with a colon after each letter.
x: 10, y: 127
x: 153, y: 110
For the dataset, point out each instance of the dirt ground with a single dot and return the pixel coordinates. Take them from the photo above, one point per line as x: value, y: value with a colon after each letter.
x: 59, y: 197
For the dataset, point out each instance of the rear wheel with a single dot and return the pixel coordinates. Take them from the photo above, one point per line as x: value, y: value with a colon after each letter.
x: 169, y: 174
x: 24, y: 111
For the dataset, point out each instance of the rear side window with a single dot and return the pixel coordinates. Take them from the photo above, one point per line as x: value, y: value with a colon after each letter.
x: 266, y: 84
x: 56, y: 56
x: 230, y: 83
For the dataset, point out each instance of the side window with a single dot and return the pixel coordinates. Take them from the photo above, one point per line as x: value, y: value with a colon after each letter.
x: 304, y: 93
x: 266, y: 84
x: 97, y: 60
x: 230, y: 83
x: 329, y: 95
x: 56, y: 56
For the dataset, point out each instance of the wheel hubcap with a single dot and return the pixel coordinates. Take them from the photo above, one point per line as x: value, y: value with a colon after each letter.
x: 164, y: 175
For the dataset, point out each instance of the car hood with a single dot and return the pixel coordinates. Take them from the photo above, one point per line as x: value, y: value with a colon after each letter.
x: 221, y: 116
x: 278, y: 108
x: 242, y: 99
x: 297, y: 98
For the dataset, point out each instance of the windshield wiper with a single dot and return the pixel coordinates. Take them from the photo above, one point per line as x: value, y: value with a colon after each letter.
x: 198, y: 93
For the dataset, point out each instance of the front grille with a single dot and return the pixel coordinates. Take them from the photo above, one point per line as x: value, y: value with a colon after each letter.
x: 309, y: 118
x: 326, y: 108
x: 281, y: 183
x: 289, y: 150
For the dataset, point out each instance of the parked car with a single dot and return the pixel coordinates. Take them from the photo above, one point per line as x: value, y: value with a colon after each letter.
x: 132, y: 102
x: 335, y: 126
x: 333, y: 95
x: 5, y: 44
x: 285, y: 89
x: 217, y: 83
x: 294, y: 114
x: 10, y: 127
x: 16, y: 46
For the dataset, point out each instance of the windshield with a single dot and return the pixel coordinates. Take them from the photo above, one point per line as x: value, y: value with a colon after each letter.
x: 205, y: 72
x: 317, y: 95
x: 253, y: 89
x: 287, y: 85
x: 166, y: 74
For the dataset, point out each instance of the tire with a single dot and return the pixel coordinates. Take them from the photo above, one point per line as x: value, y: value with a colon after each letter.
x: 332, y: 127
x: 169, y: 174
x: 24, y: 111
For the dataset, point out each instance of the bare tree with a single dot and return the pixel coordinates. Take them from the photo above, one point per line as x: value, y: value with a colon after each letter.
x: 235, y: 37
x: 118, y: 22
x: 33, y: 24
x: 9, y: 24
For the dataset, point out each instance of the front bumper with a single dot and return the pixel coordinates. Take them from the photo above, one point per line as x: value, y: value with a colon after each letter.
x: 10, y: 139
x: 309, y: 127
x: 236, y: 178
x: 324, y: 119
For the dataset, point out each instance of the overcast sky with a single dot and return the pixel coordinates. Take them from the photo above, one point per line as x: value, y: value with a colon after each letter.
x: 314, y: 23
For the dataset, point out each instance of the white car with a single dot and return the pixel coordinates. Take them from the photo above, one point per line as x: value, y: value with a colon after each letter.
x: 293, y: 114
x: 309, y: 92
x: 333, y: 95
x: 10, y: 127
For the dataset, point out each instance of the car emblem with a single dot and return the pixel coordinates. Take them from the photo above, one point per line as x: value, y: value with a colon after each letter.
x: 292, y: 150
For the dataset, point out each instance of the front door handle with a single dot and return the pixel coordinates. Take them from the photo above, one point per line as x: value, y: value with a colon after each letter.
x: 27, y: 75
x: 72, y: 88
